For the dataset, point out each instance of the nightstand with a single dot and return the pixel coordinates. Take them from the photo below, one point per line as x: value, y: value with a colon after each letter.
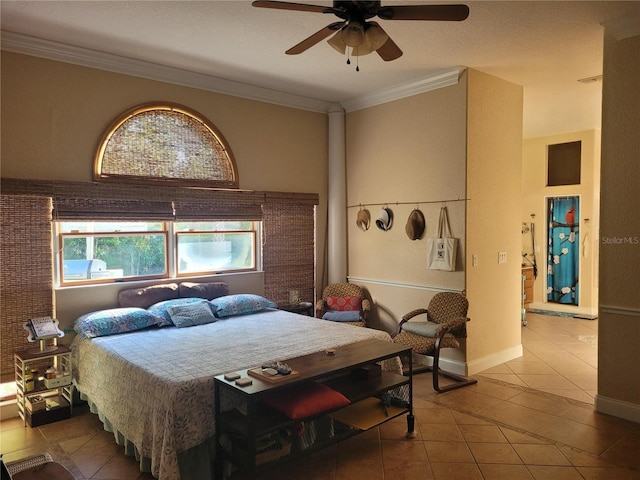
x: 303, y: 308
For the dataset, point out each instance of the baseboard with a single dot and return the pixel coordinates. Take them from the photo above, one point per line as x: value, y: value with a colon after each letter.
x: 559, y: 308
x: 446, y: 364
x: 484, y: 363
x: 8, y: 409
x: 618, y: 408
x: 471, y: 368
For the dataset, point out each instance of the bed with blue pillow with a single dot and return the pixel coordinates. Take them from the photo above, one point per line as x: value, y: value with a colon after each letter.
x: 147, y: 369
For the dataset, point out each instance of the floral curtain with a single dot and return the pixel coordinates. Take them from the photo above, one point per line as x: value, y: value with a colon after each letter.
x: 563, y: 253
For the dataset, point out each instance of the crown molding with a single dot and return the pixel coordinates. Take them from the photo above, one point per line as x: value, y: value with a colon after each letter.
x: 48, y: 49
x: 27, y: 45
x: 438, y: 79
x: 624, y: 27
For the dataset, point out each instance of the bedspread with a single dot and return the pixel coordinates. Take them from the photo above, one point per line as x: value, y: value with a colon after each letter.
x: 156, y: 386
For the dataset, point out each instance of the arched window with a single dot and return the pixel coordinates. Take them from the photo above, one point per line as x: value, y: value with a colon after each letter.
x: 165, y: 143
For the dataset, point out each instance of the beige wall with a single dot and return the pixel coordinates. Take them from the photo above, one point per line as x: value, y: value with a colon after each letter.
x: 403, y: 154
x: 534, y: 195
x: 457, y: 142
x: 494, y: 168
x: 54, y: 113
x: 619, y: 320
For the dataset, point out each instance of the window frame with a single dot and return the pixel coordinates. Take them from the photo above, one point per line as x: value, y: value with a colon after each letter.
x: 254, y: 248
x: 171, y: 251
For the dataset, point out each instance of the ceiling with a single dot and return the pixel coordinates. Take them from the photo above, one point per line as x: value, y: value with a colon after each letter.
x: 545, y: 46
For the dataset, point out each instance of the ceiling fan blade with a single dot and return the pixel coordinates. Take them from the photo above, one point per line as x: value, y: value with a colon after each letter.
x: 451, y: 13
x: 301, y: 7
x: 389, y: 50
x: 315, y: 38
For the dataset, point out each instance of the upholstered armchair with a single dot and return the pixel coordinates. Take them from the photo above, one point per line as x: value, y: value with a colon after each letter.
x: 445, y: 325
x: 343, y: 302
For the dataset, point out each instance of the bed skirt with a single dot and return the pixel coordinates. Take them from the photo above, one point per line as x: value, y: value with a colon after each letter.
x: 195, y: 463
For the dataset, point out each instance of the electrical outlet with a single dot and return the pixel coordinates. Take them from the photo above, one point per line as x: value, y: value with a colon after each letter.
x: 502, y: 257
x: 474, y: 260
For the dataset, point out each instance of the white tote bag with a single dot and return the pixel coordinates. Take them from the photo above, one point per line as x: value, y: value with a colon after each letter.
x: 441, y: 251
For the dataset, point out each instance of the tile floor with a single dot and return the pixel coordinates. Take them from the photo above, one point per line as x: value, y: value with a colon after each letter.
x: 531, y: 418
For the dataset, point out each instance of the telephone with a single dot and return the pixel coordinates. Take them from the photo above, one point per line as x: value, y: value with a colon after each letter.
x: 42, y: 328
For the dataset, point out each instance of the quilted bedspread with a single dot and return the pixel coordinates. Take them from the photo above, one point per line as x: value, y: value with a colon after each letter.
x: 156, y: 386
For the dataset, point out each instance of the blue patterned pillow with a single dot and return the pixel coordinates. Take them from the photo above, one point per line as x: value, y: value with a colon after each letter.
x: 239, y: 304
x: 191, y: 314
x: 114, y: 321
x: 161, y: 311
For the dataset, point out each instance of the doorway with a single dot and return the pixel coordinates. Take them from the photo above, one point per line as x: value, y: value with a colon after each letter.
x: 563, y: 255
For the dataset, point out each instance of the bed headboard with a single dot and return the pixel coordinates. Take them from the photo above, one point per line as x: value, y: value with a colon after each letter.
x: 147, y: 296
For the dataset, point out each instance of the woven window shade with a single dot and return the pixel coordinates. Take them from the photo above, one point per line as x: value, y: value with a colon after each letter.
x: 25, y: 272
x: 222, y: 205
x: 165, y: 143
x: 288, y: 249
x: 70, y: 208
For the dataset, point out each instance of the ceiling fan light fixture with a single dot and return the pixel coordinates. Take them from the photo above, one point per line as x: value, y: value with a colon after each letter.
x: 353, y: 34
x: 375, y: 37
x: 338, y: 43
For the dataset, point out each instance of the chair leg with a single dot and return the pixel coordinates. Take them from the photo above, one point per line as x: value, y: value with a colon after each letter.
x: 460, y: 381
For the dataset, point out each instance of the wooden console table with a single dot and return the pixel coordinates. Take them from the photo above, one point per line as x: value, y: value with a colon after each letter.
x: 254, y: 436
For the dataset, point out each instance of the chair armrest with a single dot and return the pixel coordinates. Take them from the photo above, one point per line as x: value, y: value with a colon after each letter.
x: 366, y: 307
x: 455, y: 324
x: 408, y: 316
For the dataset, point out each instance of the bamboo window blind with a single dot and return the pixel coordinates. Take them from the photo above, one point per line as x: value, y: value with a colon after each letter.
x: 166, y: 143
x: 25, y: 272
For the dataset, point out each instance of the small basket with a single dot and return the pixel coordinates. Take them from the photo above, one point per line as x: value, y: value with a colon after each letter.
x: 59, y: 381
x: 36, y: 403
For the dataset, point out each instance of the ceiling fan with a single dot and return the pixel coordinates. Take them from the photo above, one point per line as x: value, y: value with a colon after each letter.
x: 357, y: 31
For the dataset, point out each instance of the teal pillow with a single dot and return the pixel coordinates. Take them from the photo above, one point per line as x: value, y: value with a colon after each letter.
x: 114, y: 321
x: 425, y: 329
x: 161, y: 309
x: 342, y: 316
x: 191, y: 314
x: 239, y: 304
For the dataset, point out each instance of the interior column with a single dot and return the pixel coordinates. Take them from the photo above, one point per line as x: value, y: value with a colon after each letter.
x: 337, y: 198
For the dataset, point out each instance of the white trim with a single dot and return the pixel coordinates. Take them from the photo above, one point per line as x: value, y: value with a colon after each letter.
x: 446, y: 364
x: 624, y: 27
x: 576, y: 311
x: 8, y: 409
x: 432, y: 288
x: 17, y: 43
x: 438, y: 79
x: 618, y: 408
x: 471, y: 368
x: 38, y: 47
x: 490, y: 361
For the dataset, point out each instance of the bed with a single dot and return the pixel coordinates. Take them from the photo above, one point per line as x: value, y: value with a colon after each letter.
x: 154, y: 389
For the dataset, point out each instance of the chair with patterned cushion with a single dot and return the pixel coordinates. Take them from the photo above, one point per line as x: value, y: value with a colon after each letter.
x: 343, y: 302
x: 444, y: 326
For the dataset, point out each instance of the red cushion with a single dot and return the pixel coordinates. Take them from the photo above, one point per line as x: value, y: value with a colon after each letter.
x: 305, y: 400
x: 343, y: 303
